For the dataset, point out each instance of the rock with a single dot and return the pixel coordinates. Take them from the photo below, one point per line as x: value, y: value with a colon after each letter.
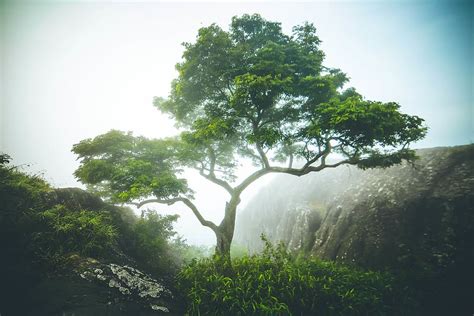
x: 417, y: 218
x: 159, y: 308
x: 48, y: 281
x: 128, y: 282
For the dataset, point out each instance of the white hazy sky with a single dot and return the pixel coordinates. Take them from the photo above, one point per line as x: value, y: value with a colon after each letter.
x: 75, y: 69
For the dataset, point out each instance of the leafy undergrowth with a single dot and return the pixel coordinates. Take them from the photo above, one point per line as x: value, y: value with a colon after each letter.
x: 277, y: 283
x: 42, y: 228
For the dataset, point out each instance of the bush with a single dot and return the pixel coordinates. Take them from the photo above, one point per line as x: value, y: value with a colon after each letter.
x: 21, y: 199
x: 88, y: 233
x: 275, y: 283
x: 151, y: 236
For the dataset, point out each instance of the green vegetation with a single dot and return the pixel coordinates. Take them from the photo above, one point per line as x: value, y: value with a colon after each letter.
x: 39, y: 234
x: 34, y: 225
x: 252, y: 93
x: 277, y: 283
x: 42, y: 228
x: 22, y: 199
x: 85, y: 232
x: 152, y: 245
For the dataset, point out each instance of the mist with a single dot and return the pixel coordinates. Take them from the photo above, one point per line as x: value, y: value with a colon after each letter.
x: 74, y: 70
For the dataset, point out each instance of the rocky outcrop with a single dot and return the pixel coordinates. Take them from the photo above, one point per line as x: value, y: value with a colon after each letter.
x: 92, y: 287
x: 72, y: 284
x: 404, y: 214
x: 416, y: 218
x: 372, y: 216
x: 125, y: 284
x: 115, y: 287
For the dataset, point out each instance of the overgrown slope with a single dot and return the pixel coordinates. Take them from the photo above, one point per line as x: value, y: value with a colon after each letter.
x: 65, y: 251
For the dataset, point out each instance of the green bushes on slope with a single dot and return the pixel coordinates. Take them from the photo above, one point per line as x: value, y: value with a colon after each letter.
x: 85, y: 232
x: 39, y: 223
x: 37, y: 233
x: 42, y: 227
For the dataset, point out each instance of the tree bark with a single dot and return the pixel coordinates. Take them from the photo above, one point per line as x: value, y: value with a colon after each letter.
x: 225, y: 231
x: 224, y: 240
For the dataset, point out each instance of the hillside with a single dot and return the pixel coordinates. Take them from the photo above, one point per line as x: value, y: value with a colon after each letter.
x: 66, y: 252
x: 417, y: 219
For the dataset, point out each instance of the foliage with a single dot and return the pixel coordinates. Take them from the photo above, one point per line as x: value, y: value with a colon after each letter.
x: 19, y: 192
x: 46, y: 234
x: 253, y: 93
x: 238, y: 251
x: 37, y: 230
x: 277, y: 283
x: 85, y: 232
x: 152, y: 246
x: 22, y: 197
x: 254, y: 89
x: 124, y: 168
x: 187, y: 253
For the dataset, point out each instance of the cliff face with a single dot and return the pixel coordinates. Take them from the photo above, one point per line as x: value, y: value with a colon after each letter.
x: 403, y: 214
x: 417, y: 218
x: 291, y: 209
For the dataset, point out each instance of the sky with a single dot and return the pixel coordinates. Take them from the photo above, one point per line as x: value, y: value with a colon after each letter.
x: 72, y: 70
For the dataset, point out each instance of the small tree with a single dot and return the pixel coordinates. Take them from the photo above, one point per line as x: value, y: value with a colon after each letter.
x: 248, y: 93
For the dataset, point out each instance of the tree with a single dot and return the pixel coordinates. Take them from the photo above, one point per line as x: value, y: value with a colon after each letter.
x: 248, y: 93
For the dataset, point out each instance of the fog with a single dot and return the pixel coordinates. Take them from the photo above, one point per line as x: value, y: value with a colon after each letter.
x: 71, y: 70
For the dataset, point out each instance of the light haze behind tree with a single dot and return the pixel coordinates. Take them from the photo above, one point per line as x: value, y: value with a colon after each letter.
x: 248, y: 93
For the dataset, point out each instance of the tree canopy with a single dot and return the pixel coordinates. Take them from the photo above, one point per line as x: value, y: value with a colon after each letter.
x: 251, y: 92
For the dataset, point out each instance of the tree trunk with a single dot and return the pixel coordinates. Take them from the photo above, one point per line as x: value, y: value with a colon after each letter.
x: 224, y: 240
x: 225, y: 232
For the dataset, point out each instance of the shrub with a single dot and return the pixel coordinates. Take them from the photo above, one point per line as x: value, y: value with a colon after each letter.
x: 88, y: 233
x: 151, y: 236
x: 275, y: 283
x: 21, y: 199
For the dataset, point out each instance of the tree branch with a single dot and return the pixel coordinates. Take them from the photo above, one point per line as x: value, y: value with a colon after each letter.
x: 293, y: 171
x: 263, y: 156
x: 212, y: 176
x: 320, y: 154
x: 188, y: 203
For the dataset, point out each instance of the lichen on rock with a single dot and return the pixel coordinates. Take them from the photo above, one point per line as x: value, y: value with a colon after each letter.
x: 129, y: 282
